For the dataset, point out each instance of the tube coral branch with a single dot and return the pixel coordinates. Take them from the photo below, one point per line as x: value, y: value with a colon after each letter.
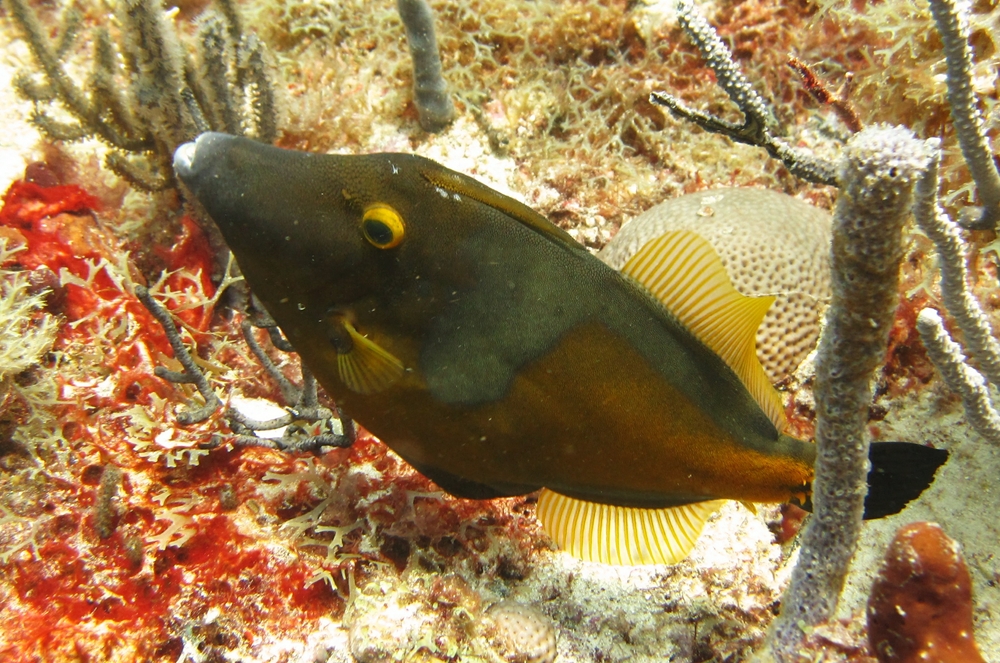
x: 953, y: 26
x: 958, y: 375
x: 430, y: 92
x: 954, y: 276
x: 877, y: 173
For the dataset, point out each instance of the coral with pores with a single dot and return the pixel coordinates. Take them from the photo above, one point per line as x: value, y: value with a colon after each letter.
x: 771, y: 245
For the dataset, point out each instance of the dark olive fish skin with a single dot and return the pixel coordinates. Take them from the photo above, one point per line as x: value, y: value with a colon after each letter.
x: 525, y: 361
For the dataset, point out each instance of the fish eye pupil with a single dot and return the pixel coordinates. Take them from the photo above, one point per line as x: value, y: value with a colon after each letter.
x: 382, y: 226
x: 378, y: 232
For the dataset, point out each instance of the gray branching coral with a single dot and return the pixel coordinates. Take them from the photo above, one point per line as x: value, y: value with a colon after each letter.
x: 953, y: 26
x: 946, y: 354
x: 304, y: 405
x: 983, y: 347
x: 160, y: 98
x: 958, y: 375
x: 758, y: 121
x: 430, y: 91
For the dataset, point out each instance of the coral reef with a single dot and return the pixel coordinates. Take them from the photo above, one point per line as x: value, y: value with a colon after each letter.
x: 920, y: 609
x: 219, y: 551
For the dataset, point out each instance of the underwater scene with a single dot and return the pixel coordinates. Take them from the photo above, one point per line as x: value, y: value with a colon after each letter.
x: 521, y: 331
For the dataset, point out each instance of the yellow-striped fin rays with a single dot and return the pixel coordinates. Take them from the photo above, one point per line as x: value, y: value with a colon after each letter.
x: 623, y: 535
x: 364, y: 366
x: 683, y: 271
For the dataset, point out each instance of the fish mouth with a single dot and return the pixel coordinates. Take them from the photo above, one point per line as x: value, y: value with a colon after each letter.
x: 189, y: 157
x: 184, y: 159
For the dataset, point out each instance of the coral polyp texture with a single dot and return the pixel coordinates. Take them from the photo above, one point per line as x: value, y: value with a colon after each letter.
x: 770, y: 243
x: 131, y: 532
x: 519, y: 633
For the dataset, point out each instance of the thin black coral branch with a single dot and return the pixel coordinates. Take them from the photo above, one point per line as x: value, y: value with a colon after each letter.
x: 307, y: 425
x: 253, y: 77
x: 718, y: 56
x: 289, y: 392
x: 191, y: 374
x: 216, y: 78
x: 303, y: 418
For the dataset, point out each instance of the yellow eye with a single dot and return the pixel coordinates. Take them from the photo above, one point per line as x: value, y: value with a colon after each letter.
x: 382, y: 226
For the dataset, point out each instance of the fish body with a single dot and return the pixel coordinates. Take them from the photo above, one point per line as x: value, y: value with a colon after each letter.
x: 482, y: 343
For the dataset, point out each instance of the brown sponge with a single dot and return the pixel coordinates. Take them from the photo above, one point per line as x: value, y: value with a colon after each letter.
x: 920, y: 608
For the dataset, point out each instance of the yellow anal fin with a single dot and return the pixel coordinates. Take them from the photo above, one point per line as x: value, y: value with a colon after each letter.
x: 683, y: 271
x: 365, y: 366
x: 623, y: 535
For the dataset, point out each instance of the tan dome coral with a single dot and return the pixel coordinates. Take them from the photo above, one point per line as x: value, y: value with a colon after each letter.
x: 519, y: 633
x: 770, y: 243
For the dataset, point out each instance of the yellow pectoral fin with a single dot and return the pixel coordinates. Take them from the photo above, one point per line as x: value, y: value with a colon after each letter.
x: 683, y: 271
x: 365, y: 366
x: 623, y: 535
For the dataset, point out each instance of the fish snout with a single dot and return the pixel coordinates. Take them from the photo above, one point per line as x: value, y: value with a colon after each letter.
x: 190, y: 159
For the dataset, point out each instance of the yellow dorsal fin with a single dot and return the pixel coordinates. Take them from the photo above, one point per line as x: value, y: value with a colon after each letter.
x: 366, y: 368
x: 683, y: 271
x: 623, y: 535
x: 466, y: 186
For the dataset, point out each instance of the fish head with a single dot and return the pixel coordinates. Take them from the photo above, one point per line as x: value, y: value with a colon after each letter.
x: 320, y: 230
x: 407, y: 251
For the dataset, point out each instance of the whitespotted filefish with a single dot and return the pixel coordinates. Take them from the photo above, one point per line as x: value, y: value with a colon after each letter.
x: 498, y: 357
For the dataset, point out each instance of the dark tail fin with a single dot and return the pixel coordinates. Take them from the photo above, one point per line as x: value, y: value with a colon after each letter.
x: 899, y: 472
